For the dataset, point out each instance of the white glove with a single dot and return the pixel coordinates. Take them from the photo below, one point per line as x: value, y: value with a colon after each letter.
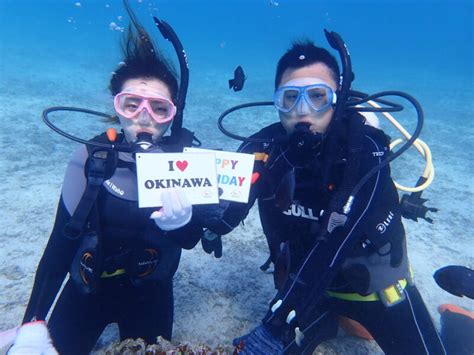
x: 176, y: 211
x: 33, y: 339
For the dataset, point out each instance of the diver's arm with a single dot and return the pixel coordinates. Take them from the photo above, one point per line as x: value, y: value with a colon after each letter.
x: 223, y: 217
x: 176, y: 219
x: 52, y: 269
x: 187, y: 236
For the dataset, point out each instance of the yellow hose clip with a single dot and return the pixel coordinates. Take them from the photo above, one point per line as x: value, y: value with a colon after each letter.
x: 393, y: 294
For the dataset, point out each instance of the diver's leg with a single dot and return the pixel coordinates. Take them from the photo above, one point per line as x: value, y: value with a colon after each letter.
x: 148, y: 312
x: 422, y: 323
x: 76, y: 322
x: 405, y: 328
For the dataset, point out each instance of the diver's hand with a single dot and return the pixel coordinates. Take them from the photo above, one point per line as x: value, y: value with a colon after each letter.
x: 176, y: 211
x: 260, y: 341
x: 212, y: 243
x: 33, y: 339
x: 212, y: 216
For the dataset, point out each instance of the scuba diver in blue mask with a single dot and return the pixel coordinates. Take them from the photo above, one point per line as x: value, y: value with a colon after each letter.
x: 121, y: 258
x: 330, y: 212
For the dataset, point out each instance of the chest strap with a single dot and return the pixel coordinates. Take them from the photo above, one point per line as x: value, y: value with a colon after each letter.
x: 100, y: 166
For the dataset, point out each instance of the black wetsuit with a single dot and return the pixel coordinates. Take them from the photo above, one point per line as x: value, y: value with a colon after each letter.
x: 365, y: 257
x: 142, y: 305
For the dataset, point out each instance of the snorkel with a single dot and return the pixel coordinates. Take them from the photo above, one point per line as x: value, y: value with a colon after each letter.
x: 142, y: 142
x: 347, y: 76
x: 169, y: 34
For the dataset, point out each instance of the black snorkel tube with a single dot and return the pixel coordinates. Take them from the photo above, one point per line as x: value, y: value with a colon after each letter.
x: 347, y: 76
x: 169, y: 34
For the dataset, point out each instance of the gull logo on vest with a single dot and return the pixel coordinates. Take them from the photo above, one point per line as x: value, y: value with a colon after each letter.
x: 382, y: 227
x: 300, y: 211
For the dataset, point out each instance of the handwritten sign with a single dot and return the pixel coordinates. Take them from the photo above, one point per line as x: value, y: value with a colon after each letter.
x: 234, y: 171
x: 195, y: 173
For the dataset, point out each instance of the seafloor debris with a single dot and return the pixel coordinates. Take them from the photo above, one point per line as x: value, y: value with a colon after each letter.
x: 163, y: 347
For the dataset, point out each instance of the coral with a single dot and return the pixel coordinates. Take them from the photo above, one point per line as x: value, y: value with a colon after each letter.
x: 163, y: 347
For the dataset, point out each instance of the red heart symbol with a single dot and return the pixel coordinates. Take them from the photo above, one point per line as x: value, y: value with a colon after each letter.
x: 255, y: 177
x: 182, y: 165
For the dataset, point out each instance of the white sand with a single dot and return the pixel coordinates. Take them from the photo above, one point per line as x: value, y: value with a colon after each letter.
x: 215, y: 299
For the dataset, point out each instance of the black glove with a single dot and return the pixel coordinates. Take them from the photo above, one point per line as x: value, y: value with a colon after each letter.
x: 210, y: 215
x: 212, y: 242
x: 260, y: 341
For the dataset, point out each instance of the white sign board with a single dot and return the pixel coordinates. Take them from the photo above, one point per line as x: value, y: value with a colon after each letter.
x: 234, y: 173
x: 194, y: 173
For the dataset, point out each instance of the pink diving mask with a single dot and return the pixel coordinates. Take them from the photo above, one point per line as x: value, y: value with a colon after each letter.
x: 131, y: 105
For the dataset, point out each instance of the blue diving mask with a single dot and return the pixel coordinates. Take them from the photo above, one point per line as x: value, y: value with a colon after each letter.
x: 318, y: 97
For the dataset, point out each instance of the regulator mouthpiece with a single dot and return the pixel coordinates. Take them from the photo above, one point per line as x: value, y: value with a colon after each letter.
x: 144, y: 141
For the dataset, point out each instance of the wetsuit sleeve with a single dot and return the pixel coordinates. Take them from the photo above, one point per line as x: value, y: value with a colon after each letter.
x: 52, y: 269
x: 222, y: 218
x: 188, y: 236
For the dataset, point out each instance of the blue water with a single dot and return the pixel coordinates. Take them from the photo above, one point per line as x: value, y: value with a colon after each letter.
x: 58, y: 53
x: 68, y: 51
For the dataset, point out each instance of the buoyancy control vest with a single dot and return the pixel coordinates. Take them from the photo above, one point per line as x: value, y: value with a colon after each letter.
x: 380, y: 257
x: 98, y: 179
